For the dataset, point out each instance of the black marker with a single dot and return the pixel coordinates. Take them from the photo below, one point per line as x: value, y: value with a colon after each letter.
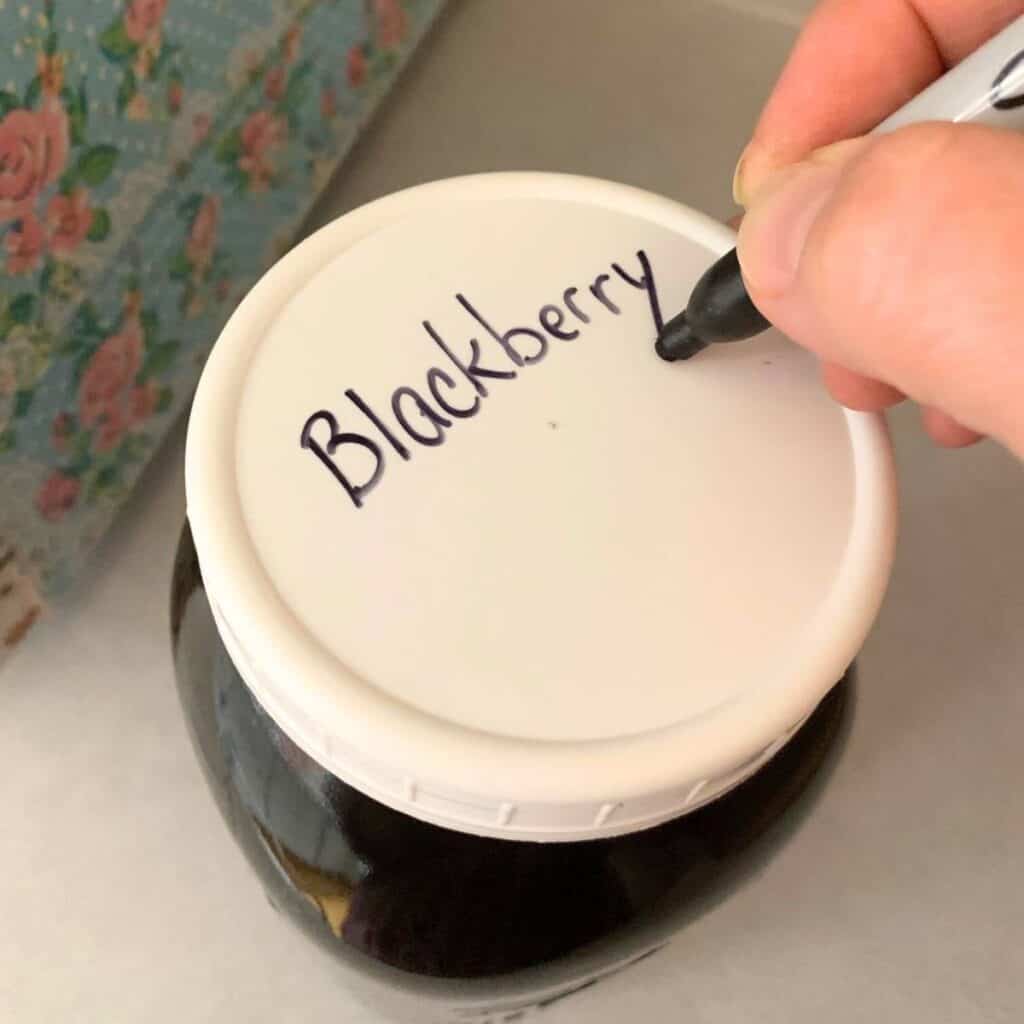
x: 720, y: 310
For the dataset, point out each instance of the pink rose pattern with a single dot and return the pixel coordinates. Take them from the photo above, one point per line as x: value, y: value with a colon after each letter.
x: 33, y: 152
x: 391, y: 23
x: 54, y: 184
x: 262, y: 135
x: 143, y: 18
x: 68, y: 218
x: 328, y: 102
x: 109, y: 373
x: 274, y: 83
x: 117, y: 394
x: 203, y: 266
x: 202, y: 235
x: 134, y: 42
x: 60, y: 432
x: 356, y: 67
x: 24, y: 245
x: 57, y: 496
x: 201, y: 125
x: 175, y: 95
x: 290, y: 45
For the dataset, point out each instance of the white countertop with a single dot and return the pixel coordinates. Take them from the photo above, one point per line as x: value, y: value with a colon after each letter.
x: 123, y: 897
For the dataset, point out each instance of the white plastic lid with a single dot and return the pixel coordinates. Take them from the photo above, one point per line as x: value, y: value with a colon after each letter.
x: 484, y: 556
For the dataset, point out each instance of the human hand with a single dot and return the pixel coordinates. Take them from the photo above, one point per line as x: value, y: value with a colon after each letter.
x: 895, y: 258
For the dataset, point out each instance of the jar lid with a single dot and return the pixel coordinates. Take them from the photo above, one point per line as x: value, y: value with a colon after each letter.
x: 483, y: 555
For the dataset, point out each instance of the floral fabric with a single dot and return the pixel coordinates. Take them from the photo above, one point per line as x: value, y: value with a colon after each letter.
x: 155, y: 157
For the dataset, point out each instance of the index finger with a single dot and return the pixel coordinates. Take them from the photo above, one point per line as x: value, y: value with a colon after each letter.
x: 855, y: 62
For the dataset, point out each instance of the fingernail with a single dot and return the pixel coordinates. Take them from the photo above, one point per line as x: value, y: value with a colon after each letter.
x: 739, y: 193
x: 774, y: 232
x: 839, y: 152
x: 757, y: 166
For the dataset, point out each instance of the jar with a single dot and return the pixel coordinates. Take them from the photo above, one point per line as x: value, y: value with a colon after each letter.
x: 506, y: 648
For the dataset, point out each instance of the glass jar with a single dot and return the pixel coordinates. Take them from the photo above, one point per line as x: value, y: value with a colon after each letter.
x: 477, y: 779
x: 443, y: 925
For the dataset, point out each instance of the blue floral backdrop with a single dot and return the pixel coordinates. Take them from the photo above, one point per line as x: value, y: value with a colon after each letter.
x: 155, y: 157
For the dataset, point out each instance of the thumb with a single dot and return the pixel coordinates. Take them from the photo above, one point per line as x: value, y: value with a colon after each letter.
x: 897, y: 256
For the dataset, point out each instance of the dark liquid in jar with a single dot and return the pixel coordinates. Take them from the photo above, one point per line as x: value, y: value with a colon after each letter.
x: 356, y: 875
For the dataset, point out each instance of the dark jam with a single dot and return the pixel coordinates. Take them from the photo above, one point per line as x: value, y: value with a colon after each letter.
x: 431, y: 902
